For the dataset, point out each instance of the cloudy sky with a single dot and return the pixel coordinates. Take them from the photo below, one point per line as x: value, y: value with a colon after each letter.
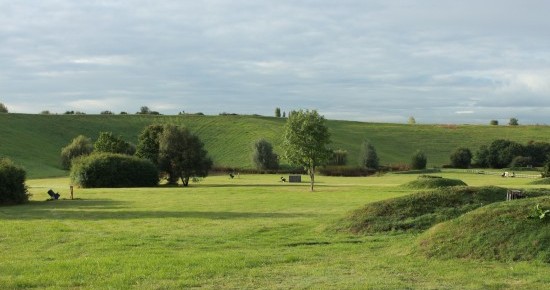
x: 437, y: 60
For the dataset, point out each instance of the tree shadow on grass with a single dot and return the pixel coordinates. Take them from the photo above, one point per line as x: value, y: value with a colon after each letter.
x: 93, y: 214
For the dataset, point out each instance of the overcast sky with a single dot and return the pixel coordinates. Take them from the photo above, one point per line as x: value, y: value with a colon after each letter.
x: 437, y: 60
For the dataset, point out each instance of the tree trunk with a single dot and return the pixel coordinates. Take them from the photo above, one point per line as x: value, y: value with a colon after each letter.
x: 185, y: 181
x: 312, y: 176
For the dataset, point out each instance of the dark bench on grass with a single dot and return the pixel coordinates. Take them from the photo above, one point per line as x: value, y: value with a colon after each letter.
x: 53, y: 195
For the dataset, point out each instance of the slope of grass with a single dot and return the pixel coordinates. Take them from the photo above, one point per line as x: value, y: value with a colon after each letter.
x: 420, y: 210
x: 35, y: 141
x: 429, y: 181
x: 502, y: 231
x: 251, y: 232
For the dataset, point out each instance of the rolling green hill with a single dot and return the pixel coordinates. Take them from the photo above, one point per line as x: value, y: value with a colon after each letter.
x: 35, y: 141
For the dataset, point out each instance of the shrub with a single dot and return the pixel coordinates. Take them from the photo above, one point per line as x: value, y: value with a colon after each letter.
x: 80, y: 145
x: 513, y: 122
x: 369, y: 157
x: 263, y: 156
x: 493, y: 123
x: 461, y: 158
x: 12, y: 183
x: 521, y: 161
x: 113, y: 170
x: 339, y: 157
x: 419, y: 160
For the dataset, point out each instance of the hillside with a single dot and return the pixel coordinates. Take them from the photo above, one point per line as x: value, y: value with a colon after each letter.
x: 35, y: 141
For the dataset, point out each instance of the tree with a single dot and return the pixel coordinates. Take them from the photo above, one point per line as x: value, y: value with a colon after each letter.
x: 107, y: 142
x: 493, y: 123
x: 79, y: 146
x: 461, y: 158
x: 278, y: 112
x: 369, y: 157
x: 305, y: 139
x: 419, y: 160
x: 144, y: 110
x: 411, y: 121
x: 513, y: 122
x: 3, y: 108
x: 183, y: 153
x: 263, y: 156
x: 339, y: 157
x: 502, y: 152
x: 284, y: 114
x: 481, y: 156
x: 148, y: 143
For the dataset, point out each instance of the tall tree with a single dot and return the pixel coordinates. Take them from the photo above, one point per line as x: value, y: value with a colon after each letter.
x: 184, y: 153
x: 278, y: 112
x: 305, y: 139
x: 148, y: 143
x: 3, y: 108
x: 369, y: 157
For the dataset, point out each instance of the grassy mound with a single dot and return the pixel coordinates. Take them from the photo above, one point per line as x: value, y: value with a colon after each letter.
x: 430, y: 181
x: 542, y: 181
x: 502, y: 231
x: 421, y: 210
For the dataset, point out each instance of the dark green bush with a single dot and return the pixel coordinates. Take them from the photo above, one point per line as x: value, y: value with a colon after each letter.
x: 419, y: 160
x: 113, y: 170
x: 12, y: 183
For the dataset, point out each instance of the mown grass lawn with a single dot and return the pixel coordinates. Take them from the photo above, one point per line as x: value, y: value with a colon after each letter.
x: 244, y: 233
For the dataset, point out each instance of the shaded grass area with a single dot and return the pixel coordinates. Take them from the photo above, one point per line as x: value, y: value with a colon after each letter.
x: 248, y: 233
x: 504, y: 231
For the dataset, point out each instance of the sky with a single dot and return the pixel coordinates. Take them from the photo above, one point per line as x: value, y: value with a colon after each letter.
x: 439, y: 61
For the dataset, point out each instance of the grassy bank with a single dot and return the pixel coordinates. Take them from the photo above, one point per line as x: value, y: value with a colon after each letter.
x: 35, y: 141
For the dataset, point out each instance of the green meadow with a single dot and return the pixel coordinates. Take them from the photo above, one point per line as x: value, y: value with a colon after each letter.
x: 251, y: 232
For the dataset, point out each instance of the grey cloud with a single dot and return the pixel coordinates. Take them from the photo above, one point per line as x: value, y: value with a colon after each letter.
x: 362, y: 60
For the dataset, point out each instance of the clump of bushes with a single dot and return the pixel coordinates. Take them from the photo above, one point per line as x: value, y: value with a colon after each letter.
x: 430, y: 181
x: 113, y: 170
x: 12, y: 183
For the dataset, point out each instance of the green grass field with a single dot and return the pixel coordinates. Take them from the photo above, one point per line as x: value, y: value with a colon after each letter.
x: 35, y: 141
x: 251, y: 232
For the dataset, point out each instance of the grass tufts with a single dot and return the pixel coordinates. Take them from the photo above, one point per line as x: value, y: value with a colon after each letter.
x: 503, y: 231
x: 542, y: 181
x: 419, y: 211
x: 430, y: 181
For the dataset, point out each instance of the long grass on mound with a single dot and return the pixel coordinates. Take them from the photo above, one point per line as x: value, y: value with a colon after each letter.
x: 429, y: 181
x: 542, y: 181
x: 502, y: 231
x: 419, y: 211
